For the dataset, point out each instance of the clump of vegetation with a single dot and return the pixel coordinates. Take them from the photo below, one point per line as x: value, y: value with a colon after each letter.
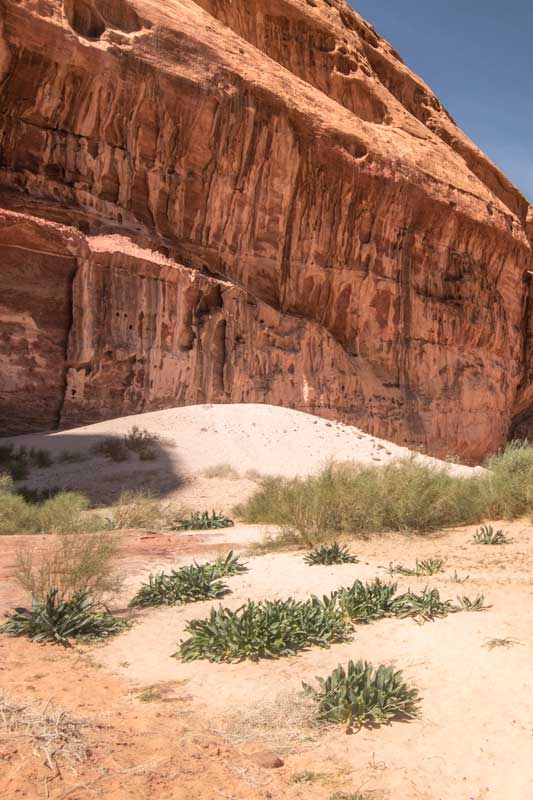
x: 64, y: 512
x: 426, y: 567
x: 492, y: 644
x: 138, y: 441
x: 266, y: 629
x: 59, y: 621
x: 487, y: 535
x: 425, y: 606
x: 362, y: 695
x: 330, y: 554
x: 201, y: 521
x: 138, y: 509
x: 477, y: 604
x: 359, y: 499
x: 351, y: 796
x: 366, y: 602
x: 404, y: 495
x: 142, y: 442
x: 16, y: 462
x: 455, y: 578
x: 185, y: 585
x: 223, y: 471
x: 306, y: 776
x: 112, y: 448
x: 225, y: 567
x: 70, y: 563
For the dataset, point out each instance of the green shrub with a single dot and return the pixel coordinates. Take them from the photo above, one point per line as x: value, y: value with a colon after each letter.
x: 477, y: 604
x: 508, y: 485
x: 366, y: 602
x: 226, y: 567
x: 59, y: 621
x: 355, y: 499
x: 330, y: 554
x: 186, y: 585
x: 200, y: 521
x: 64, y: 512
x: 487, y: 535
x: 426, y: 567
x: 362, y: 695
x: 138, y: 510
x: 425, y: 606
x: 266, y: 629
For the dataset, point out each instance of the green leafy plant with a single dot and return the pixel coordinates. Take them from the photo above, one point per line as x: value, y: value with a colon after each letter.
x: 423, y: 607
x: 487, y: 535
x: 202, y: 520
x: 455, y: 578
x: 330, y: 554
x: 186, y: 585
x: 58, y: 621
x: 112, y: 448
x: 362, y: 695
x: 477, y: 604
x: 266, y: 629
x: 426, y: 567
x: 366, y: 602
x: 226, y: 567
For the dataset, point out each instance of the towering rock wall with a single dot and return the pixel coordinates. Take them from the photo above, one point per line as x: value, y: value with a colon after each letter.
x: 250, y: 201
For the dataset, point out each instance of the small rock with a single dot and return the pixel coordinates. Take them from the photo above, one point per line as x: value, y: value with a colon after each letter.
x: 267, y: 759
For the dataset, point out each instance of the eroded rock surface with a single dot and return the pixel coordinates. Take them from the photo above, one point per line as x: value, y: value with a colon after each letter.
x: 250, y: 201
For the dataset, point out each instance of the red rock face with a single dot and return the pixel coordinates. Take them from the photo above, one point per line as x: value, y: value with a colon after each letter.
x: 250, y: 201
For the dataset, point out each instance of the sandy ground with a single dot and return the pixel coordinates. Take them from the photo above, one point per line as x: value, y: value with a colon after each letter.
x: 473, y: 740
x: 252, y: 439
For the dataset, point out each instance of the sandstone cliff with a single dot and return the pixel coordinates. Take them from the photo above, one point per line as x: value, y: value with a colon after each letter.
x: 250, y: 200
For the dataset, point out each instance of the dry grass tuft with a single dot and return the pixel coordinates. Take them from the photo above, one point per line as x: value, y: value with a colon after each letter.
x: 282, y: 723
x: 221, y: 471
x: 52, y: 734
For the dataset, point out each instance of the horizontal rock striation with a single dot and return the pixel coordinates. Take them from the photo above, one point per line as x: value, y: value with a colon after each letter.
x: 250, y: 201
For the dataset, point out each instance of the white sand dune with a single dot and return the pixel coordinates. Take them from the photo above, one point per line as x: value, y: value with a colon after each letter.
x: 264, y: 438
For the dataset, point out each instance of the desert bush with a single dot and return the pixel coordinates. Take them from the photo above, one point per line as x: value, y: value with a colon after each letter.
x: 202, y: 520
x: 224, y: 471
x: 508, y: 484
x: 37, y: 495
x: 112, y: 448
x: 355, y: 499
x: 366, y: 602
x: 69, y: 563
x: 138, y: 510
x: 362, y: 695
x: 266, y: 629
x: 487, y: 535
x: 59, y: 621
x: 142, y: 442
x: 65, y: 512
x: 6, y: 483
x: 425, y: 567
x: 185, y: 585
x: 14, y: 462
x: 40, y: 458
x: 330, y: 554
x: 71, y: 457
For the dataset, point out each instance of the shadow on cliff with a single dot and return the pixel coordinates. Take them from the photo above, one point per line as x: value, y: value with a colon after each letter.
x: 100, y: 466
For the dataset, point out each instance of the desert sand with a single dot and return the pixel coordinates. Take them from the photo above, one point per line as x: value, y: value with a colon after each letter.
x: 251, y: 439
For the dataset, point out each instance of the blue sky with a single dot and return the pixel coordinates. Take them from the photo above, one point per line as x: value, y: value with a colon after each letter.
x: 477, y: 56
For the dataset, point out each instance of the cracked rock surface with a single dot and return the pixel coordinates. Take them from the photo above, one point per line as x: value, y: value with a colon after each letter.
x: 250, y: 201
